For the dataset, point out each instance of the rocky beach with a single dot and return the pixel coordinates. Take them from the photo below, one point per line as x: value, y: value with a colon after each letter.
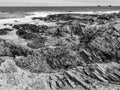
x: 60, y: 51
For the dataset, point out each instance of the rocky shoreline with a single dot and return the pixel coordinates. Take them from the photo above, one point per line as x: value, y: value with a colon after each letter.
x: 79, y: 52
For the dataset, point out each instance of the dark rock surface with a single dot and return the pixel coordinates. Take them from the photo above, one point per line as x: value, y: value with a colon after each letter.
x: 8, y: 48
x: 30, y: 28
x: 5, y: 31
x: 84, y: 43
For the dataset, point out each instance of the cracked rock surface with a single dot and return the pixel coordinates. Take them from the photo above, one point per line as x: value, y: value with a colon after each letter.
x: 80, y: 52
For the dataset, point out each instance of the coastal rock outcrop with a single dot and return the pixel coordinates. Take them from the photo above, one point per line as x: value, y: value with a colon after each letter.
x: 8, y: 48
x: 92, y: 77
x: 82, y: 52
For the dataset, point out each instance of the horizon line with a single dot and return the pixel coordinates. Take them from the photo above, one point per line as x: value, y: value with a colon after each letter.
x: 57, y: 6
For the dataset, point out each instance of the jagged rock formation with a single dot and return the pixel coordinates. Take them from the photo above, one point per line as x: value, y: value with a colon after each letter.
x: 81, y: 52
x: 5, y: 31
x: 93, y: 77
x: 8, y: 48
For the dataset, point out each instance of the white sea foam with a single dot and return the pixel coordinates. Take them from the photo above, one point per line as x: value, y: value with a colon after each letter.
x: 27, y: 18
x: 44, y: 14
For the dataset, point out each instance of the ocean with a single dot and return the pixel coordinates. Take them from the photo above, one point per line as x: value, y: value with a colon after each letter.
x: 14, y: 12
x: 62, y: 9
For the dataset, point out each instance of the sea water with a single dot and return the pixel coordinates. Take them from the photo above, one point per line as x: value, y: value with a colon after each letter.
x: 16, y: 12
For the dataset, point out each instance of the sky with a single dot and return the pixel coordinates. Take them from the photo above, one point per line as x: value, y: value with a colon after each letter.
x: 59, y: 2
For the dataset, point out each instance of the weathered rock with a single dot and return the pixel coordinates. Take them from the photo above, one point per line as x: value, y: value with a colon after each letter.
x: 25, y: 35
x: 5, y: 31
x: 92, y: 77
x: 31, y: 28
x: 8, y: 48
x: 81, y: 53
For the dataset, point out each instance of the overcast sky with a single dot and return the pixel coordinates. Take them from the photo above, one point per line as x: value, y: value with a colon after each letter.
x: 58, y: 2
